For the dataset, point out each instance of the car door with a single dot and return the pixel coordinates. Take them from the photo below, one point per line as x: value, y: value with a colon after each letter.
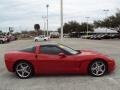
x: 50, y: 62
x: 40, y: 38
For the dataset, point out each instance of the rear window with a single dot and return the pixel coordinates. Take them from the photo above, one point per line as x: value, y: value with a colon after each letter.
x: 30, y: 50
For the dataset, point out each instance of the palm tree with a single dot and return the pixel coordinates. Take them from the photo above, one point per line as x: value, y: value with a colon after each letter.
x: 37, y: 28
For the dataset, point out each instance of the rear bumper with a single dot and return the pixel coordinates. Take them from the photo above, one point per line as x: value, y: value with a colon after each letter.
x: 8, y: 63
x: 9, y: 66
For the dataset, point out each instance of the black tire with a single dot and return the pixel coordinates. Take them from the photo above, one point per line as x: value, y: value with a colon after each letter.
x: 97, y: 71
x: 45, y: 40
x: 36, y: 40
x: 25, y: 72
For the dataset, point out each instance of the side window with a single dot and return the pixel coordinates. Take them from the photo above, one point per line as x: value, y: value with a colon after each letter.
x: 52, y: 50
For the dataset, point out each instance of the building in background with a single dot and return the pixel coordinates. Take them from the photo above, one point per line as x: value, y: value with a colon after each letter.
x: 103, y: 31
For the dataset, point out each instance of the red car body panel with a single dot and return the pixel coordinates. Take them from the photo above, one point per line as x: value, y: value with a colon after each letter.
x: 55, y: 64
x: 15, y: 56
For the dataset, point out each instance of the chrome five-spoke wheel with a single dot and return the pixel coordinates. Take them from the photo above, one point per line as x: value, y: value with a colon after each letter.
x: 97, y: 68
x: 23, y: 70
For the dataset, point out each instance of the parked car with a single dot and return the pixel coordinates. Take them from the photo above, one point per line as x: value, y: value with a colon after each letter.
x: 86, y: 36
x: 92, y: 36
x: 41, y: 38
x: 106, y: 36
x: 57, y: 59
x: 99, y: 37
x: 12, y: 38
x: 96, y: 37
x: 115, y: 36
x: 54, y: 36
x: 3, y: 39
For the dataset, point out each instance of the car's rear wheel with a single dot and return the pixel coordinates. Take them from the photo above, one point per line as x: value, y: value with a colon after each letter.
x: 23, y: 70
x: 36, y: 40
x: 45, y: 40
x: 98, y: 68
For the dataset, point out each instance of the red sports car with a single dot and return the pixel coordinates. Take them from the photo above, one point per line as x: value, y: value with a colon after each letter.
x: 57, y: 59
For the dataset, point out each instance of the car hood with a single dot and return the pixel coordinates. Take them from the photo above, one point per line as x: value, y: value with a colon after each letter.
x: 89, y: 52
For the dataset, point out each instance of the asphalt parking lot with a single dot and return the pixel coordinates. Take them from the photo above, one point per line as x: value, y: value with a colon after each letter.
x: 9, y: 81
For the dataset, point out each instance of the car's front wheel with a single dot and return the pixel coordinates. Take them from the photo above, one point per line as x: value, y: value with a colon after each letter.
x: 97, y: 68
x: 23, y: 70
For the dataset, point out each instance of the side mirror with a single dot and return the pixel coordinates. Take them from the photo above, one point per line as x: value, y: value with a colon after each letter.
x: 62, y: 55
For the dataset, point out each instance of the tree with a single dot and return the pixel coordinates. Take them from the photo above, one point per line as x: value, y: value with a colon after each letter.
x: 97, y: 24
x: 37, y: 28
x: 0, y: 32
x: 83, y: 27
x: 112, y: 22
x: 17, y: 33
x: 11, y: 30
x: 32, y: 33
x: 59, y: 30
x: 74, y: 26
x: 24, y: 32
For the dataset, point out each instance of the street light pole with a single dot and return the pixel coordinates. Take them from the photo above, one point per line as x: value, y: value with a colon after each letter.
x: 61, y: 11
x: 47, y: 17
x: 87, y: 25
x: 44, y: 18
x: 106, y: 12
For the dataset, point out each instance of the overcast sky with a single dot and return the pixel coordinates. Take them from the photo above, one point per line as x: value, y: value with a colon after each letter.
x: 23, y: 14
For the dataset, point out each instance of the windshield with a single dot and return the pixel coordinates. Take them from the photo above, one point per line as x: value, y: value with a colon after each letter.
x: 68, y: 49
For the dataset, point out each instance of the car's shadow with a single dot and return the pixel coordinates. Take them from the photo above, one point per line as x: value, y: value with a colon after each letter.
x: 13, y: 76
x: 8, y: 75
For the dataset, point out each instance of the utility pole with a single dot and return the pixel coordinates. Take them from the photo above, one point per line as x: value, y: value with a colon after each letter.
x: 47, y: 6
x: 44, y: 18
x: 61, y: 11
x: 87, y: 25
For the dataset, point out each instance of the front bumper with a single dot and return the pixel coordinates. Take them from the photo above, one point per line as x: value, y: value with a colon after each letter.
x: 111, y: 65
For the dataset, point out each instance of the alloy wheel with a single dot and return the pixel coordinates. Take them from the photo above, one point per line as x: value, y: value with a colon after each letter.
x: 23, y: 70
x: 98, y: 68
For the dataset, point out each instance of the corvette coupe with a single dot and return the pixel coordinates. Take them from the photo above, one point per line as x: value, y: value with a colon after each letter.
x: 55, y: 59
